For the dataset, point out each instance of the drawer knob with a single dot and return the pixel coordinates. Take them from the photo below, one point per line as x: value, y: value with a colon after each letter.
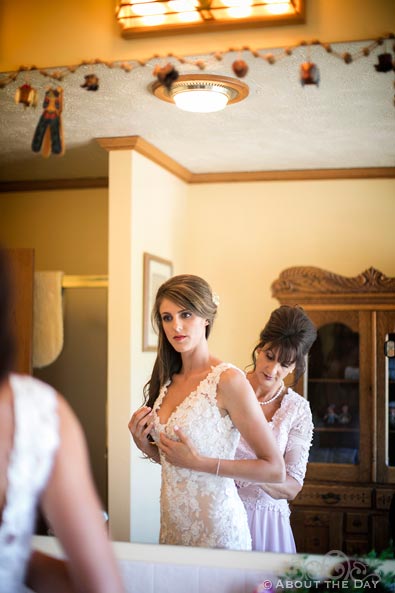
x: 331, y: 498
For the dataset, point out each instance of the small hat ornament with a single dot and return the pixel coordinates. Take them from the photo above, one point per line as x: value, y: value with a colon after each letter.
x: 166, y: 74
x: 309, y: 74
x: 385, y: 63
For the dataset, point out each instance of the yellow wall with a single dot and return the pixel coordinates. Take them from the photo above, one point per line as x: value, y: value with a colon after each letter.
x: 147, y: 214
x: 68, y: 32
x: 158, y: 227
x: 68, y: 230
x: 243, y: 235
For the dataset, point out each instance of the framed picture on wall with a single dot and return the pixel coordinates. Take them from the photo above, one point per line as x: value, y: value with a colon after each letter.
x: 156, y: 271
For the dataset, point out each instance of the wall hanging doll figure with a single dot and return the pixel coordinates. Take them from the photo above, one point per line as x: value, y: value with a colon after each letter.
x: 48, y: 136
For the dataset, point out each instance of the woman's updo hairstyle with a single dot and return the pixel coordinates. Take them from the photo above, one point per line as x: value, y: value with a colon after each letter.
x: 291, y: 333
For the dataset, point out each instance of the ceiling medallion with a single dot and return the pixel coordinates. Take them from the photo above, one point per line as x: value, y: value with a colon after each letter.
x: 201, y: 93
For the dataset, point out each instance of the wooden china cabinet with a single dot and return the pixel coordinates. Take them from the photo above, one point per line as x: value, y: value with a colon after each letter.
x: 350, y: 384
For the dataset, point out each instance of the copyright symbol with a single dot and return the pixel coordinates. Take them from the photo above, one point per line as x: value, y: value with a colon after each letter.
x: 266, y: 585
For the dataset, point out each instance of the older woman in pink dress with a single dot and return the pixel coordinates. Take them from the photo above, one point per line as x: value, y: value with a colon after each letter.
x: 282, y: 349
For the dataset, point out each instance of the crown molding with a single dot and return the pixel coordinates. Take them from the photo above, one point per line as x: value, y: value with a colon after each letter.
x: 148, y: 150
x: 53, y: 184
x: 152, y: 153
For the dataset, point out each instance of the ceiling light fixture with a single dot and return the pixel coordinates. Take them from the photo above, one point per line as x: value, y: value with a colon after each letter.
x: 160, y: 17
x: 204, y: 93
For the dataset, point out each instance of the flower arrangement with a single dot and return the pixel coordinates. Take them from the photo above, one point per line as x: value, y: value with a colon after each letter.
x: 345, y: 574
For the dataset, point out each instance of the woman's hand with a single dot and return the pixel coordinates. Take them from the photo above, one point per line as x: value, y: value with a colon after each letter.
x: 180, y: 453
x: 140, y: 425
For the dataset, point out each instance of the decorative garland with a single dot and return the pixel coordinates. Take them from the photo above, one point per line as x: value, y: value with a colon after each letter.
x: 385, y: 64
x: 48, y: 136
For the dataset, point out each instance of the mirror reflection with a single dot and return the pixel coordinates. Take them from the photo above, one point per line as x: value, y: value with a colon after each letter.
x: 323, y: 515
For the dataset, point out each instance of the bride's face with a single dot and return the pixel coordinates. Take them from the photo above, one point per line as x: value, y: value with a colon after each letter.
x: 183, y: 328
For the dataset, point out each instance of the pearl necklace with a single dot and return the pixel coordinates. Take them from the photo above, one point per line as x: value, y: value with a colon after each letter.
x: 275, y: 396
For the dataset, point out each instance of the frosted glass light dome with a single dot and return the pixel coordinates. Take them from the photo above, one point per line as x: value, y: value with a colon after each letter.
x: 199, y: 100
x: 202, y: 93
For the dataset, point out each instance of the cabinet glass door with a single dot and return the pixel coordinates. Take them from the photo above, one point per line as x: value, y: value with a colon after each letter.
x: 390, y: 376
x: 337, y: 385
x: 386, y: 396
x: 333, y: 392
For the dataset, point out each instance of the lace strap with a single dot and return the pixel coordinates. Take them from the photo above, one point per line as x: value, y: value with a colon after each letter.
x: 215, y: 374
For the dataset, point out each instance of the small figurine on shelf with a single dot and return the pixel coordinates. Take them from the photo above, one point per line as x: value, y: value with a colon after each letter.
x: 330, y: 416
x: 344, y: 416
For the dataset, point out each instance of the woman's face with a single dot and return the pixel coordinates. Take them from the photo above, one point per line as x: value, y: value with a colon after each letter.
x: 183, y: 328
x: 268, y: 370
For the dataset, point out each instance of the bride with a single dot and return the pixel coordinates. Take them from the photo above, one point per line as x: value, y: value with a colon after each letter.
x: 195, y: 409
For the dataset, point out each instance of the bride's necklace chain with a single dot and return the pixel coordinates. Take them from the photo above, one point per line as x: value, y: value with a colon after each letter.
x: 275, y: 396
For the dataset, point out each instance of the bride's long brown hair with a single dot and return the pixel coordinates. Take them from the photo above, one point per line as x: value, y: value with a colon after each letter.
x: 189, y: 292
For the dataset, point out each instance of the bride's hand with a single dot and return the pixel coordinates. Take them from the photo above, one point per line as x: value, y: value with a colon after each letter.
x: 140, y: 426
x: 180, y: 453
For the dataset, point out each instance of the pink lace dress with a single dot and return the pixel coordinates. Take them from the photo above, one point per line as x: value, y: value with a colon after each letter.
x: 268, y: 518
x: 200, y: 509
x: 36, y: 438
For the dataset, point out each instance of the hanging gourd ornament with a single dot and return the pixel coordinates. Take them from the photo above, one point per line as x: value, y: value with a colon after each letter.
x: 240, y: 68
x: 309, y: 74
x: 166, y: 74
x: 27, y: 95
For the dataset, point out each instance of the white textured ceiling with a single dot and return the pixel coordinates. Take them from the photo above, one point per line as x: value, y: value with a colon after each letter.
x: 347, y: 121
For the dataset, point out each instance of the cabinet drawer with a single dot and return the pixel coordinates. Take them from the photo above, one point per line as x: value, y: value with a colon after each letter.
x: 334, y: 496
x: 311, y: 531
x: 383, y: 498
x: 316, y: 520
x: 357, y: 523
x: 356, y: 547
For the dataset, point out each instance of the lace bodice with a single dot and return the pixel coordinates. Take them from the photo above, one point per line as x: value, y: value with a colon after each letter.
x: 292, y: 427
x: 200, y: 509
x: 35, y: 442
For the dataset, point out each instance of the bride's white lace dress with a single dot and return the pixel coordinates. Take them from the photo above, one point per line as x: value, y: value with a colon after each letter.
x: 36, y: 438
x: 201, y: 509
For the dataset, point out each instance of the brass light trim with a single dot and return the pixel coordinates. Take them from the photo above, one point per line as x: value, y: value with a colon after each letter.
x: 234, y: 89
